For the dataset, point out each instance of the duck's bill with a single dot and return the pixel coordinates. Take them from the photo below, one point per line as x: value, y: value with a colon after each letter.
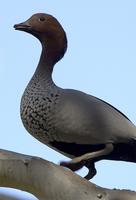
x: 24, y: 26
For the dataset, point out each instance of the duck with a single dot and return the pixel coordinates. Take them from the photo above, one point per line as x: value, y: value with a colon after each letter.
x: 78, y: 125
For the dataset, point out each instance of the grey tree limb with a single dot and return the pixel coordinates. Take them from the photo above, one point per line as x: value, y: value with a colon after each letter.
x: 8, y: 197
x: 48, y: 181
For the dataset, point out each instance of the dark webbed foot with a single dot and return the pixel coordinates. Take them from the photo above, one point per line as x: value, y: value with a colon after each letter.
x: 76, y: 166
x: 92, y: 170
x: 73, y: 166
x: 87, y: 160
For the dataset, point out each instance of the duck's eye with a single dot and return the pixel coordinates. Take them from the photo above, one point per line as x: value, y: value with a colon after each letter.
x: 41, y: 19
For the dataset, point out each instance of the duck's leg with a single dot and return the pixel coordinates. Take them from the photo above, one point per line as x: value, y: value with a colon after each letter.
x: 79, y: 162
x: 92, y: 170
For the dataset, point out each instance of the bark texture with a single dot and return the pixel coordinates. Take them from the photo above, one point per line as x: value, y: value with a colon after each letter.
x: 48, y: 181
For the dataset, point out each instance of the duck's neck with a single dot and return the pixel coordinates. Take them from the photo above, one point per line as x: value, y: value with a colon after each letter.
x: 52, y: 51
x: 42, y: 77
x: 45, y: 66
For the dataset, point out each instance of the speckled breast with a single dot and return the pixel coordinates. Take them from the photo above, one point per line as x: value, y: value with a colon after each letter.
x: 37, y: 111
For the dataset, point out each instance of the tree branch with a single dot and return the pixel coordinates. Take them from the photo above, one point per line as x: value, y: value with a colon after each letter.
x: 7, y: 197
x: 46, y: 180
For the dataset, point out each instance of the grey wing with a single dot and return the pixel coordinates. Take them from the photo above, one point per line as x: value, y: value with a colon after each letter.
x: 85, y: 119
x: 113, y: 108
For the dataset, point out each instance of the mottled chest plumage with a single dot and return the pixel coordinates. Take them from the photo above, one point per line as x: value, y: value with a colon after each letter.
x: 37, y: 113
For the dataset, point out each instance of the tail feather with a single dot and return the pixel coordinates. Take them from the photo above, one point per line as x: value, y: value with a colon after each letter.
x: 123, y: 152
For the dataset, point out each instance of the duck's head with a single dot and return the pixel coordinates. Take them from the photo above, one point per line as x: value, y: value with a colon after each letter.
x: 48, y: 30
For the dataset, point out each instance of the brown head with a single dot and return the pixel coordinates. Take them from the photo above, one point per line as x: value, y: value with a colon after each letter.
x: 50, y: 33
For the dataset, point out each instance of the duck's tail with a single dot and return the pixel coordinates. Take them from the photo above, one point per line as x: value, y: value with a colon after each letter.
x: 123, y: 152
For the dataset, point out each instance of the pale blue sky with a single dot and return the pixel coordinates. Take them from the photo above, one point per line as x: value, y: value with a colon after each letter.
x: 101, y: 60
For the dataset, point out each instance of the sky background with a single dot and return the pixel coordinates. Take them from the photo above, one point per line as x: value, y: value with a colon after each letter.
x: 100, y: 60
